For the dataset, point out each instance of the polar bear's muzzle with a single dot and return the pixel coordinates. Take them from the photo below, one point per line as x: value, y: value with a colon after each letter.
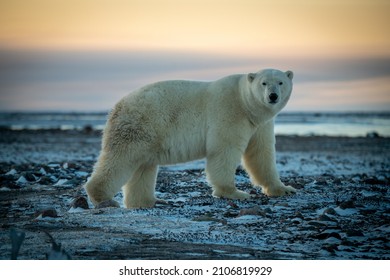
x: 273, y: 98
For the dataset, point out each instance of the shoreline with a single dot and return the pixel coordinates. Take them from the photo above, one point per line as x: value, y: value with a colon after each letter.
x: 50, y: 145
x: 341, y: 209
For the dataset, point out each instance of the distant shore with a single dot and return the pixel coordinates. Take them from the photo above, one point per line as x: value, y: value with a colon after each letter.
x: 350, y: 124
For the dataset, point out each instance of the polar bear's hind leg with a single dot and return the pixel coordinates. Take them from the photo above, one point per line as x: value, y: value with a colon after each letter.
x: 139, y: 190
x: 107, y: 179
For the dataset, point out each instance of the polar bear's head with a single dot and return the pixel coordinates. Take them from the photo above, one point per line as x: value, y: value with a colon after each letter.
x: 272, y: 88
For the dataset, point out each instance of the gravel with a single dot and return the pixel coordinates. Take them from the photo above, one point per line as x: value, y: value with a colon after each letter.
x: 341, y: 209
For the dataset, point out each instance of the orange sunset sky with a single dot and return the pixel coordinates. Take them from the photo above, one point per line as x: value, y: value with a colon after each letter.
x: 304, y: 36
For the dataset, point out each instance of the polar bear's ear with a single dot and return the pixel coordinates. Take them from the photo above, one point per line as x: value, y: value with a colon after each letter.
x: 251, y: 77
x: 290, y: 74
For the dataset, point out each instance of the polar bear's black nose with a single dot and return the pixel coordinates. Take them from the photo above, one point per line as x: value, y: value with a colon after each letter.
x: 273, y: 97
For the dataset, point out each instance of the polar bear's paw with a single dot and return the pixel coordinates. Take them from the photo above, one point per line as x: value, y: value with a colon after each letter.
x: 237, y: 194
x: 279, y: 190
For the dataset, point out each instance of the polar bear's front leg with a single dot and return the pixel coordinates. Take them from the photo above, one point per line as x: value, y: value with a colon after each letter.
x: 220, y: 170
x: 260, y: 162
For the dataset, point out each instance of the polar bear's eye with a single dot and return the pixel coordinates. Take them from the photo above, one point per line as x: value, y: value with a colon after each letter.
x: 280, y: 83
x: 264, y: 84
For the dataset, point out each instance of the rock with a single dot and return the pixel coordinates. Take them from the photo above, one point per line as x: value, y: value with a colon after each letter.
x: 299, y: 215
x: 80, y: 202
x: 332, y: 240
x: 296, y: 221
x: 321, y: 181
x: 88, y: 129
x: 282, y: 204
x: 17, y: 238
x: 46, y: 170
x: 12, y: 172
x: 108, y: 203
x: 45, y: 180
x: 330, y: 211
x: 231, y: 214
x: 330, y: 248
x: 373, y: 181
x: 327, y: 235
x: 22, y: 180
x: 208, y: 218
x: 317, y: 224
x: 372, y: 134
x: 347, y: 204
x: 42, y: 171
x: 233, y: 205
x: 337, y: 181
x: 253, y: 192
x: 51, y: 213
x: 354, y: 232
x: 9, y: 185
x: 29, y: 177
x: 255, y: 211
x: 326, y: 218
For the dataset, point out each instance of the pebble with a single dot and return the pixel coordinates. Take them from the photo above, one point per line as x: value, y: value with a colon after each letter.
x: 354, y: 232
x: 51, y: 213
x: 373, y: 181
x: 321, y: 181
x: 255, y: 211
x: 294, y: 218
x: 299, y: 215
x: 317, y: 224
x: 372, y: 134
x: 12, y: 172
x: 80, y: 202
x: 326, y: 218
x: 42, y: 171
x: 347, y: 204
x: 327, y: 235
x: 332, y: 240
x: 330, y: 211
x: 45, y: 180
x: 108, y: 203
x: 22, y: 180
x: 296, y: 221
x: 61, y: 182
x: 30, y: 177
x: 208, y: 218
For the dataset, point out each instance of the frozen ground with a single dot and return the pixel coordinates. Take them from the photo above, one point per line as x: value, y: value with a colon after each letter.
x: 341, y: 210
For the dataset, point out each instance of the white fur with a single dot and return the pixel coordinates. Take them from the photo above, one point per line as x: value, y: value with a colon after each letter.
x: 169, y: 122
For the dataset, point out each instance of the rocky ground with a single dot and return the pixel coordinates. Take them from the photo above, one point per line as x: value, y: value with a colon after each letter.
x: 341, y: 209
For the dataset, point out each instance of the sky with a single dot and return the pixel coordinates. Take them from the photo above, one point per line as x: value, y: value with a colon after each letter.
x: 83, y: 55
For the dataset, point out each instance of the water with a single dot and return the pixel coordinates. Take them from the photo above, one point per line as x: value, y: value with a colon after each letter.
x: 333, y: 124
x: 330, y: 124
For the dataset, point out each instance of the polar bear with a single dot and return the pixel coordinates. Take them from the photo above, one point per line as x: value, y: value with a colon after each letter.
x: 225, y: 121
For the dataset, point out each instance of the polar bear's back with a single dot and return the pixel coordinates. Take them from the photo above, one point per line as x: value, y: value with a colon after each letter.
x: 163, y: 116
x: 168, y: 96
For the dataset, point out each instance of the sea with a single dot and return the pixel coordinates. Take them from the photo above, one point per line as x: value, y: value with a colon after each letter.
x: 350, y: 124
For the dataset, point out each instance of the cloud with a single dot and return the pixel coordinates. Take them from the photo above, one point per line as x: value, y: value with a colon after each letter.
x: 70, y: 80
x: 369, y: 94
